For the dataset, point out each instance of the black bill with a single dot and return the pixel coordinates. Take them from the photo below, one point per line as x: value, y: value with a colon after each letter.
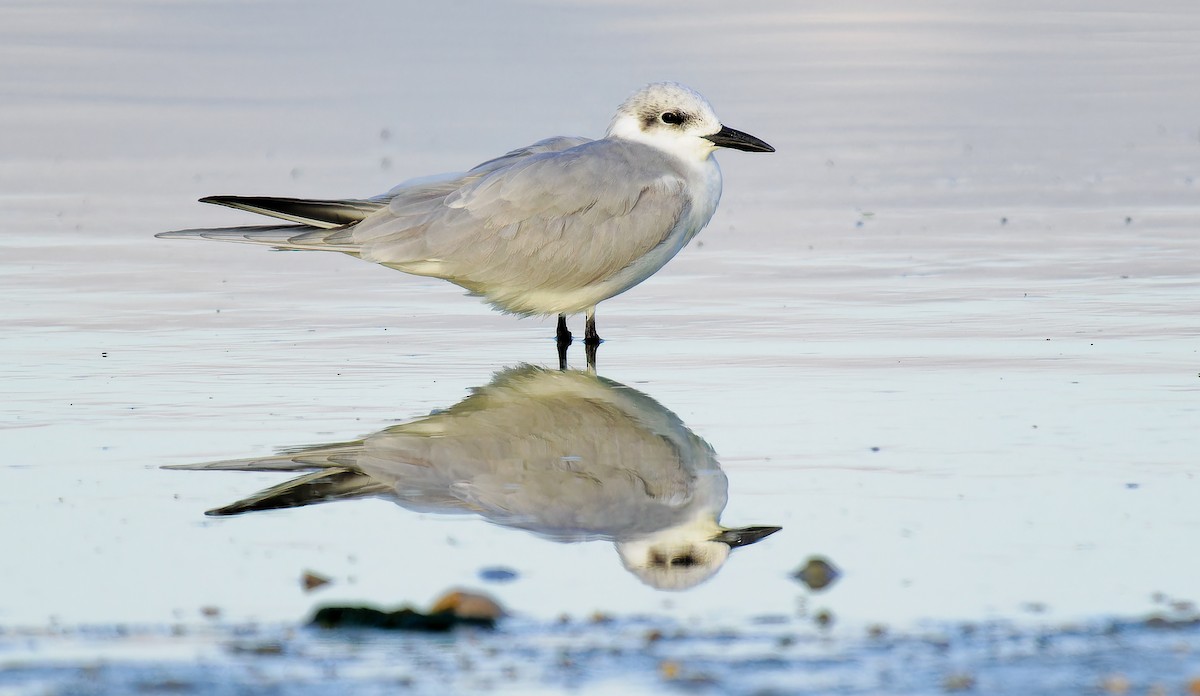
x: 745, y: 535
x: 728, y: 137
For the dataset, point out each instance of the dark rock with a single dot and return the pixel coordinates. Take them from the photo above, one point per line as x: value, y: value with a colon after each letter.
x: 400, y: 620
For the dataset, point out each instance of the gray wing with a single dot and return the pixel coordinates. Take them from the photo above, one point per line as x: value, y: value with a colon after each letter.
x: 428, y: 191
x: 560, y: 219
x: 324, y: 225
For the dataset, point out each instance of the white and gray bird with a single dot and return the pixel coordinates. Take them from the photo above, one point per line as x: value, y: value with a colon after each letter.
x: 567, y: 455
x: 553, y: 228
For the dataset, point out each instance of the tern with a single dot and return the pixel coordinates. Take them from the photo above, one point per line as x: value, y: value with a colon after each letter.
x: 552, y: 228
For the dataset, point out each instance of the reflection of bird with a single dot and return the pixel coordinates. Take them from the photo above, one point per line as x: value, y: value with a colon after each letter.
x: 553, y: 228
x: 567, y: 455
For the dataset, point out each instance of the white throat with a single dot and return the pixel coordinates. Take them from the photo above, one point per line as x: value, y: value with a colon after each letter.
x: 689, y: 148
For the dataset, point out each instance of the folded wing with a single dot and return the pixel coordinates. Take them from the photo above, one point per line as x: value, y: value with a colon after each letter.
x: 556, y: 219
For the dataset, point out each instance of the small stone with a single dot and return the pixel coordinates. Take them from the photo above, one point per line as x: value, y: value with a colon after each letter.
x: 271, y: 648
x: 817, y: 573
x: 210, y: 612
x: 669, y: 669
x: 468, y: 605
x: 497, y: 574
x: 311, y: 581
x: 403, y: 619
x: 959, y: 682
x: 1115, y: 684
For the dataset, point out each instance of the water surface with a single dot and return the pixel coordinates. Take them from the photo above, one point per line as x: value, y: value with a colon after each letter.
x: 946, y: 336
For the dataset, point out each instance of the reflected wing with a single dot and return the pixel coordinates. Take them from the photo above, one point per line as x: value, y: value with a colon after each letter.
x: 305, y: 458
x: 322, y: 486
x: 335, y: 478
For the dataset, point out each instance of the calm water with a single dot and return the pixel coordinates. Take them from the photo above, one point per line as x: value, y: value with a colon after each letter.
x: 945, y: 337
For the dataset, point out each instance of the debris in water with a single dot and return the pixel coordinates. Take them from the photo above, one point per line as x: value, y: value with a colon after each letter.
x: 1115, y: 684
x: 454, y: 609
x: 669, y: 669
x: 959, y: 682
x: 469, y: 605
x: 817, y: 573
x: 497, y: 574
x: 311, y: 581
x: 405, y: 619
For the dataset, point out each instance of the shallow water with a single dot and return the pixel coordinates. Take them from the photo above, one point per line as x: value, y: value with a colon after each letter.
x: 946, y: 336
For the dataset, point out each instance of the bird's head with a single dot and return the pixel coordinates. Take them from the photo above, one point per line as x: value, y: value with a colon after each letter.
x: 677, y: 119
x: 683, y: 557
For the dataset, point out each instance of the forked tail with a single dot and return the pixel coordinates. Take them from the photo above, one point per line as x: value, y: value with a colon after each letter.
x: 314, y: 224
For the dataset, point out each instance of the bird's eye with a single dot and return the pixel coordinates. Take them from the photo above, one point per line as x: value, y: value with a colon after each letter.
x: 672, y: 118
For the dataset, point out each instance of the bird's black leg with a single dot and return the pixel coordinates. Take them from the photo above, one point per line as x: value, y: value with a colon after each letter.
x: 563, y: 339
x: 563, y: 334
x: 590, y: 337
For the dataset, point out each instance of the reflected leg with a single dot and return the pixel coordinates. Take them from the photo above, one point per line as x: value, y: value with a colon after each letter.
x: 589, y: 349
x: 562, y: 355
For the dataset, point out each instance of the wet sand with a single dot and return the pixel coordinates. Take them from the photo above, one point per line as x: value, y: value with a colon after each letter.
x: 945, y: 336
